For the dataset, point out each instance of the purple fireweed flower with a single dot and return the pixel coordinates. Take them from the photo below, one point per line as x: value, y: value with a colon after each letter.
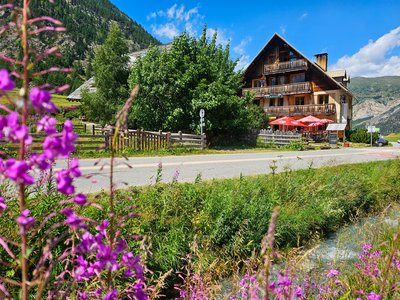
x: 14, y: 132
x: 106, y: 259
x: 39, y: 160
x: 74, y: 168
x: 373, y: 296
x: 25, y: 221
x: 60, y: 145
x: 88, y: 243
x: 64, y: 182
x: 332, y: 273
x: 139, y: 293
x: 73, y: 220
x: 41, y: 100
x: 3, y: 205
x: 47, y: 124
x: 284, y: 281
x: 18, y: 171
x: 102, y: 227
x: 366, y: 247
x: 111, y: 295
x: 80, y: 199
x: 6, y: 84
x: 299, y: 293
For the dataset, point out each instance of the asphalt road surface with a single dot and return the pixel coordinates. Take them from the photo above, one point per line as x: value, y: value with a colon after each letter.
x: 143, y: 170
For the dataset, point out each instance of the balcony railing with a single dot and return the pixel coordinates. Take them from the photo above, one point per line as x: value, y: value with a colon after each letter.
x: 298, y: 64
x: 276, y: 91
x: 302, y: 110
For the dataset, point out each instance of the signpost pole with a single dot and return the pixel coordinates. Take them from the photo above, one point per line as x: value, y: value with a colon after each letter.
x: 202, y: 114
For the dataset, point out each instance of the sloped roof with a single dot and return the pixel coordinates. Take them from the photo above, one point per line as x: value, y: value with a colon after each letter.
x: 337, y: 73
x: 277, y: 36
x: 91, y: 85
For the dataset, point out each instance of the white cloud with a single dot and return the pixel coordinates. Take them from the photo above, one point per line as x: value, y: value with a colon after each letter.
x: 303, y: 16
x: 243, y: 63
x: 222, y: 39
x: 168, y: 30
x: 241, y: 48
x: 283, y: 29
x: 177, y: 19
x: 372, y: 59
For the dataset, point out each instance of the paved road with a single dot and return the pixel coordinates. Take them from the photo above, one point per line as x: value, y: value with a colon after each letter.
x: 144, y: 169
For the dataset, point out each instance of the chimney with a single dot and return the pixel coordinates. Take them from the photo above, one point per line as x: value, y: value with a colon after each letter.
x: 322, y: 60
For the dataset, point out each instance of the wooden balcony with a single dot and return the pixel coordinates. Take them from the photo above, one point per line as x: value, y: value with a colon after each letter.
x: 302, y: 110
x: 276, y: 91
x: 287, y: 66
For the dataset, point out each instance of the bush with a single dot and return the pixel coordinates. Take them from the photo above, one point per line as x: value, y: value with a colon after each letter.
x: 362, y: 136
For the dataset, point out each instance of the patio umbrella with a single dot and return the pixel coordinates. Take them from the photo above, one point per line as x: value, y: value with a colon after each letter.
x: 325, y: 121
x: 287, y: 121
x: 316, y: 124
x: 309, y: 119
x: 282, y: 121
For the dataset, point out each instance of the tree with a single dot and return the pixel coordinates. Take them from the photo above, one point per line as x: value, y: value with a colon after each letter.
x: 193, y: 74
x: 111, y: 73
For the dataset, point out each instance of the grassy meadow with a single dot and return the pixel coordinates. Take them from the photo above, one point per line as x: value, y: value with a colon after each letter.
x: 59, y: 100
x: 222, y: 222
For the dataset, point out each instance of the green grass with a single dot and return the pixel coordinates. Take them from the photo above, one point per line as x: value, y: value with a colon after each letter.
x: 59, y: 100
x: 228, y: 218
x: 393, y: 137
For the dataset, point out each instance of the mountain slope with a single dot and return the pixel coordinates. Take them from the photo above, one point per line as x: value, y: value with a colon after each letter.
x: 377, y: 102
x: 87, y: 23
x: 378, y: 89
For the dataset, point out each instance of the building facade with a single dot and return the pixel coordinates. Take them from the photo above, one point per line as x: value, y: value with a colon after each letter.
x: 286, y: 83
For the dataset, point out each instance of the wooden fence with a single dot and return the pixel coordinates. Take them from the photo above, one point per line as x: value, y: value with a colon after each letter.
x: 137, y: 140
x: 279, y: 139
x: 188, y: 140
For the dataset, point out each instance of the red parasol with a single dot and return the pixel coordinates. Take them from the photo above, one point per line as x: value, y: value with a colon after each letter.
x: 309, y: 119
x: 316, y: 124
x: 287, y: 121
x: 325, y: 121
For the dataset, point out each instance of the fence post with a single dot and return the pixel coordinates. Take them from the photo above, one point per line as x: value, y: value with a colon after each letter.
x: 107, y: 141
x: 203, y: 141
x: 139, y: 138
x: 168, y: 138
x: 93, y: 129
x: 180, y: 137
x: 159, y: 140
x: 84, y: 127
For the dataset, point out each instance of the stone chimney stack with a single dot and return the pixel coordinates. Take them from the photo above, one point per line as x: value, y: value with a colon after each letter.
x: 322, y: 60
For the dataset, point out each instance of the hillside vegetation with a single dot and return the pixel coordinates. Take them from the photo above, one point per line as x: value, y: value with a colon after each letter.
x: 379, y: 89
x: 377, y: 102
x: 88, y: 23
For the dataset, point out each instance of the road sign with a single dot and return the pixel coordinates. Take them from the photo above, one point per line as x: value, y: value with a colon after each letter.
x: 372, y: 129
x: 202, y: 113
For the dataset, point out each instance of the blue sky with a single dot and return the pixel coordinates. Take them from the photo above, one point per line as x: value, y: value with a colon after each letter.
x: 360, y: 36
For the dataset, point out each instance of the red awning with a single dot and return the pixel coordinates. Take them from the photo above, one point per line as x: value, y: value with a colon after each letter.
x: 310, y: 119
x: 287, y: 121
x: 316, y: 124
x: 325, y: 121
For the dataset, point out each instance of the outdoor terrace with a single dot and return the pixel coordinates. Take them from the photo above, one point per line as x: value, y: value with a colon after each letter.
x: 302, y: 110
x: 287, y: 66
x: 279, y: 90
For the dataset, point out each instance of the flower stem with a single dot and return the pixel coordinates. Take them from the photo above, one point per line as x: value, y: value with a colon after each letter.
x: 25, y: 87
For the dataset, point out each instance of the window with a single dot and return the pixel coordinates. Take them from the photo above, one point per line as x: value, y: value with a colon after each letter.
x: 299, y: 100
x: 323, y: 99
x: 298, y: 78
x: 272, y: 102
x: 272, y: 81
x: 258, y: 83
x: 281, y: 79
x: 280, y: 102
